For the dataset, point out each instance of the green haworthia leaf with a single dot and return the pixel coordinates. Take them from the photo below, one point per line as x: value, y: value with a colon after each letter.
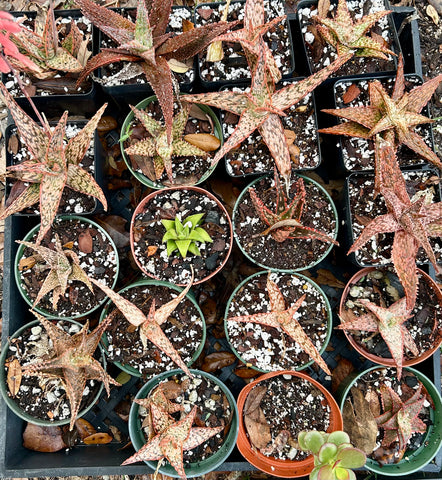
x: 183, y: 246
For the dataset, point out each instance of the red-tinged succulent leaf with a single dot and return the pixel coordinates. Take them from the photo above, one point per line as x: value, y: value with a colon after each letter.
x: 234, y: 102
x: 272, y: 132
x: 148, y: 122
x: 82, y: 181
x: 72, y: 42
x: 421, y: 95
x: 402, y: 420
x: 73, y: 362
x: 263, y: 212
x: 64, y: 61
x: 160, y: 417
x: 78, y: 145
x: 200, y: 435
x: 150, y: 451
x: 364, y: 116
x: 283, y: 318
x: 159, y: 16
x: 295, y: 92
x: 363, y: 323
x: 188, y: 44
x: 27, y: 198
x: 292, y: 228
x: 382, y: 224
x: 30, y: 133
x: 144, y: 147
x: 399, y: 84
x: 351, y: 129
x: 164, y: 312
x: 413, y: 141
x: 182, y: 147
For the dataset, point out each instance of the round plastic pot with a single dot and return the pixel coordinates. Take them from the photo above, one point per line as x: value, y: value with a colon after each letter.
x: 412, y: 461
x: 131, y: 370
x: 140, y: 176
x: 193, y: 469
x: 19, y: 255
x: 270, y: 465
x: 388, y: 362
x: 14, y: 407
x: 285, y: 270
x: 146, y: 200
x: 308, y: 280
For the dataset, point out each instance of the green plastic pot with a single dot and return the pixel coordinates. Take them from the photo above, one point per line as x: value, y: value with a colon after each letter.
x: 307, y: 280
x: 14, y: 407
x: 193, y: 469
x: 261, y: 263
x: 412, y: 461
x: 19, y: 255
x: 218, y: 132
x: 133, y: 371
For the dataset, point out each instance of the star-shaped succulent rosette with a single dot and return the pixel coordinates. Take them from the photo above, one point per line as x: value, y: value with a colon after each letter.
x: 284, y: 319
x: 400, y: 418
x: 72, y: 362
x: 260, y: 108
x: 172, y: 438
x: 150, y: 325
x: 348, y: 36
x: 64, y: 266
x: 413, y: 222
x: 393, y: 117
x: 388, y: 322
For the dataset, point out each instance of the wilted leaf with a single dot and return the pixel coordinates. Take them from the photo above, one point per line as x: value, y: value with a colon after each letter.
x: 278, y: 443
x: 340, y: 372
x: 123, y: 377
x: 26, y: 263
x: 226, y: 191
x: 432, y: 13
x: 290, y: 136
x: 177, y: 66
x: 83, y: 52
x: 326, y: 277
x: 173, y: 390
x: 323, y: 8
x: 85, y: 242
x: 352, y: 92
x: 14, y: 376
x: 254, y: 399
x: 205, y: 141
x: 84, y: 428
x: 258, y: 429
x: 115, y: 227
x: 106, y: 124
x: 217, y: 360
x: 209, y: 310
x: 359, y: 422
x: 13, y: 144
x: 187, y: 25
x: 43, y: 439
x: 151, y: 250
x: 244, y: 372
x: 197, y: 113
x: 98, y: 439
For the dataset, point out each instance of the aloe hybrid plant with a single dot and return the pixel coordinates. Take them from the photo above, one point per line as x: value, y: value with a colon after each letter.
x: 184, y: 235
x: 260, y: 109
x: 334, y: 455
x: 53, y: 164
x: 147, y: 43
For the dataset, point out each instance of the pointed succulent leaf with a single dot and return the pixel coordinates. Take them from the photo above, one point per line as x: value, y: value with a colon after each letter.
x: 27, y: 198
x: 82, y: 181
x: 234, y: 102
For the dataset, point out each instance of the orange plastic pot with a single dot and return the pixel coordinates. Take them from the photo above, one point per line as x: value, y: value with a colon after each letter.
x: 388, y: 362
x: 141, y: 208
x: 270, y: 465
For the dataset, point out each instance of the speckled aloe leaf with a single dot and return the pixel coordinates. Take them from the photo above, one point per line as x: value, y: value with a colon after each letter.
x: 402, y: 420
x: 283, y: 318
x: 389, y: 322
x: 73, y: 40
x: 364, y: 116
x: 64, y: 266
x: 350, y: 36
x: 73, y: 363
x: 27, y: 198
x: 149, y: 326
x: 81, y: 181
x: 235, y: 102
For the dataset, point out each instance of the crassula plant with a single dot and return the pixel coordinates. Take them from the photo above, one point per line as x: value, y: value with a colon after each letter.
x: 185, y: 235
x: 53, y: 165
x: 334, y: 455
x: 147, y: 43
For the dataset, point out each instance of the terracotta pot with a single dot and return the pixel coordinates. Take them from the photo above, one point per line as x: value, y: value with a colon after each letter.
x: 270, y: 465
x: 141, y: 208
x: 388, y: 362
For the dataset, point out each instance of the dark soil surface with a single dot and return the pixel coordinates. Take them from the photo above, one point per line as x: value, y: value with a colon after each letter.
x: 269, y: 348
x: 97, y: 258
x: 363, y: 208
x: 383, y: 288
x: 321, y: 54
x: 213, y: 410
x: 185, y: 169
x: 183, y: 328
x: 71, y: 201
x: 296, y: 253
x: 44, y: 398
x: 288, y: 404
x: 148, y: 231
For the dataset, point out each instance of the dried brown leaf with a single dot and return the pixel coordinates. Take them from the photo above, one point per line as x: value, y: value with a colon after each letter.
x: 432, y: 13
x: 254, y: 399
x: 187, y: 25
x: 351, y: 93
x: 98, y: 439
x: 26, y: 263
x: 217, y: 360
x: 115, y: 226
x: 244, y: 372
x: 14, y: 376
x: 323, y: 8
x: 84, y: 428
x: 13, y: 144
x: 85, y: 242
x: 258, y: 429
x: 340, y: 373
x: 43, y: 439
x: 359, y: 422
x: 205, y: 141
x: 210, y: 311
